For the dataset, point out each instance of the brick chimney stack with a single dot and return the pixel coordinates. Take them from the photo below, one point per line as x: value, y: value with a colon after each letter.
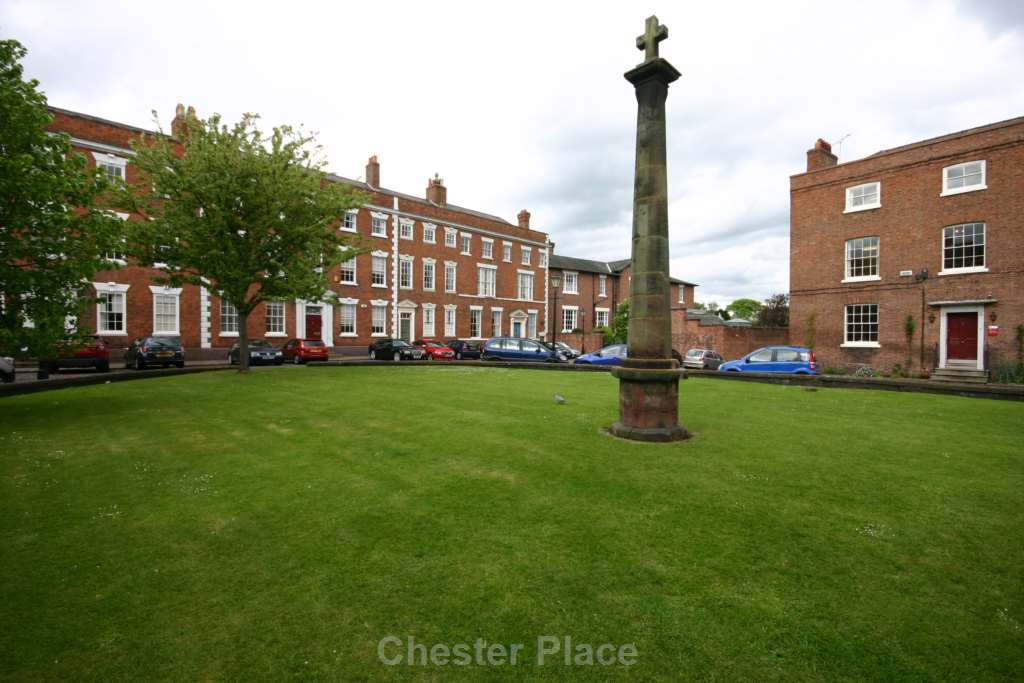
x: 179, y: 129
x: 524, y: 219
x: 821, y: 156
x: 436, y: 191
x: 373, y: 172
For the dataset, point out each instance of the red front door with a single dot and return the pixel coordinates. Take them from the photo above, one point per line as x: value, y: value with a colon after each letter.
x: 962, y: 336
x: 313, y: 326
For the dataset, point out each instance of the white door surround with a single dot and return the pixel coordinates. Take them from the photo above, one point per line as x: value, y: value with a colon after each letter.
x: 406, y: 310
x: 326, y: 319
x: 943, y: 312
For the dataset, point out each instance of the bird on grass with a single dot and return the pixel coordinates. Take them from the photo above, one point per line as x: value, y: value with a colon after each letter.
x: 559, y: 399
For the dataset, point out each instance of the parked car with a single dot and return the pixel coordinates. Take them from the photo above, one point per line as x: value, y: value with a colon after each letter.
x: 791, y: 359
x: 304, y: 350
x: 92, y: 353
x: 609, y: 355
x: 146, y: 351
x: 567, y: 351
x: 518, y: 349
x: 464, y: 350
x: 7, y: 371
x: 261, y: 352
x: 702, y: 359
x: 434, y: 350
x: 395, y: 349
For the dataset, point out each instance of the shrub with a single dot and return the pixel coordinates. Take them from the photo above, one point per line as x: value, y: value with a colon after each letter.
x: 865, y: 371
x: 1010, y: 373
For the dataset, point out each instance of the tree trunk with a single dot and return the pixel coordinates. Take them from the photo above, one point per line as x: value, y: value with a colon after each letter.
x: 243, y: 340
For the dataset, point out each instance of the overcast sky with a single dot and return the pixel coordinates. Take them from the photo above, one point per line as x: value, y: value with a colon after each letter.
x: 523, y: 104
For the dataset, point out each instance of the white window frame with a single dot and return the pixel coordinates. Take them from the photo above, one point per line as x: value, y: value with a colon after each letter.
x: 429, y: 319
x: 486, y: 286
x: 429, y: 266
x: 496, y: 315
x: 506, y: 252
x: 168, y: 293
x: 451, y: 238
x: 525, y: 255
x: 602, y: 286
x: 847, y: 344
x: 487, y: 247
x: 449, y: 320
x: 382, y: 306
x: 375, y: 258
x: 542, y: 258
x: 575, y: 310
x: 113, y: 161
x: 405, y: 271
x: 848, y: 245
x: 284, y: 319
x: 947, y: 190
x: 378, y: 220
x: 520, y: 275
x: 406, y: 226
x: 429, y: 233
x: 221, y: 332
x: 531, y: 324
x: 967, y: 269
x: 120, y: 290
x: 452, y: 268
x: 352, y: 215
x: 355, y: 271
x: 600, y: 313
x: 476, y: 317
x: 566, y: 275
x: 850, y: 191
x: 118, y: 257
x: 466, y: 244
x: 353, y: 305
x: 682, y: 293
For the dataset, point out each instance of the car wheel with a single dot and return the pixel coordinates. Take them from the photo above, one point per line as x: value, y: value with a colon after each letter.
x: 52, y: 368
x: 458, y: 355
x: 8, y: 377
x: 427, y: 356
x: 398, y: 356
x: 296, y: 359
x: 179, y: 364
x: 139, y: 363
x: 232, y: 360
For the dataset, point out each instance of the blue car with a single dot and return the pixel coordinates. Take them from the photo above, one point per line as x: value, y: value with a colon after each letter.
x: 795, y: 360
x: 609, y: 355
x: 514, y: 348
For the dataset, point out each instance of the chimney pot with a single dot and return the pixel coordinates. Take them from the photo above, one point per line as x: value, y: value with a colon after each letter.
x: 373, y: 172
x: 821, y: 156
x: 524, y: 219
x: 436, y: 191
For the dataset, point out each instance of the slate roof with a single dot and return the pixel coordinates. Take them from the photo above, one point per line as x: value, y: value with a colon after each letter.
x: 606, y: 267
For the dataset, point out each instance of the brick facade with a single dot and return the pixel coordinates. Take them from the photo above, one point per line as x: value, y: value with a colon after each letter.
x: 908, y: 276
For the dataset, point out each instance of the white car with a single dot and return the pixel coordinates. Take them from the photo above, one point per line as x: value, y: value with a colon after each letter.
x: 7, y: 369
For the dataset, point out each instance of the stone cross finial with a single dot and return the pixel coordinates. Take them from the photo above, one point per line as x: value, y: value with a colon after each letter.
x: 654, y: 33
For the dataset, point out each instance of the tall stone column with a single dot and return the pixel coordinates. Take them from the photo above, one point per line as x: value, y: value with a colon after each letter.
x: 649, y: 377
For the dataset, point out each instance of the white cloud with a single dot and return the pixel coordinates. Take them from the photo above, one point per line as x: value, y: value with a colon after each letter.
x: 524, y: 105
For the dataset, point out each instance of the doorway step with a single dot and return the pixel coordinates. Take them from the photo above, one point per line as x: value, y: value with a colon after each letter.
x: 960, y: 375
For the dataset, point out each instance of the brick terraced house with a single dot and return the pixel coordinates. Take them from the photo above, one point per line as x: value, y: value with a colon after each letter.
x: 912, y: 255
x: 433, y: 270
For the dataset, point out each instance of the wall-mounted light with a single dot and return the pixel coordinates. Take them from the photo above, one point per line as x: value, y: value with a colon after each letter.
x: 992, y: 316
x: 931, y: 317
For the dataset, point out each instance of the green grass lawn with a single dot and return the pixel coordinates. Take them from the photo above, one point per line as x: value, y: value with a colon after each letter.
x: 220, y: 527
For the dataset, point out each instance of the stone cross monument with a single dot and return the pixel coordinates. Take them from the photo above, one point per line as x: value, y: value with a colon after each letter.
x: 649, y: 377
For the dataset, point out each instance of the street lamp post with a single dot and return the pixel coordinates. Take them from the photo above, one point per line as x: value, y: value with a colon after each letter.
x: 556, y: 282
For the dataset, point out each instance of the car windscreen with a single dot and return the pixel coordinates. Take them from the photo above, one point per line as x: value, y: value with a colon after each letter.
x: 694, y: 353
x: 312, y: 342
x: 261, y: 345
x: 399, y: 344
x: 172, y: 342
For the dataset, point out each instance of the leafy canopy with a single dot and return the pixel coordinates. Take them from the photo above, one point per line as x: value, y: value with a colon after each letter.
x: 52, y: 232
x: 745, y: 308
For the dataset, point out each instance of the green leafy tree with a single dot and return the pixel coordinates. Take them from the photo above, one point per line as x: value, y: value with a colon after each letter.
x: 52, y: 232
x: 745, y: 308
x: 775, y: 312
x: 246, y: 214
x: 620, y: 325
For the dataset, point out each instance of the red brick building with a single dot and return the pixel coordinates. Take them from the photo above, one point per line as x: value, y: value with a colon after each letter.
x: 913, y: 255
x: 434, y: 269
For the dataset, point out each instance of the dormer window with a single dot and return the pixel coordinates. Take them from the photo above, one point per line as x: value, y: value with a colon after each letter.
x: 966, y: 177
x: 863, y: 197
x: 112, y: 166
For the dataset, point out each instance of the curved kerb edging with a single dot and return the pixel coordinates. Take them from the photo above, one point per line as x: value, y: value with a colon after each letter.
x: 994, y: 391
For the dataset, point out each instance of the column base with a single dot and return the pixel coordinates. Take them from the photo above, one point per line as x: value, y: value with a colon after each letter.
x: 649, y: 402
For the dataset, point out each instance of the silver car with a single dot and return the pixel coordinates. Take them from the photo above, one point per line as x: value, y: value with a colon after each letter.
x: 702, y: 359
x: 7, y: 369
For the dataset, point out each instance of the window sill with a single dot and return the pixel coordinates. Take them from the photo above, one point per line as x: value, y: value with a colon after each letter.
x: 379, y: 334
x: 276, y: 334
x: 175, y: 333
x: 857, y: 209
x: 112, y: 334
x: 426, y: 242
x: 348, y: 284
x: 347, y: 334
x: 963, y: 190
x: 865, y: 278
x: 227, y: 334
x: 347, y: 230
x: 380, y: 286
x: 860, y: 345
x: 963, y: 271
x: 383, y: 237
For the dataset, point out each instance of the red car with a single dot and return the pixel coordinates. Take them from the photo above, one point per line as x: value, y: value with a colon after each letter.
x: 304, y: 350
x: 92, y: 354
x: 434, y: 350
